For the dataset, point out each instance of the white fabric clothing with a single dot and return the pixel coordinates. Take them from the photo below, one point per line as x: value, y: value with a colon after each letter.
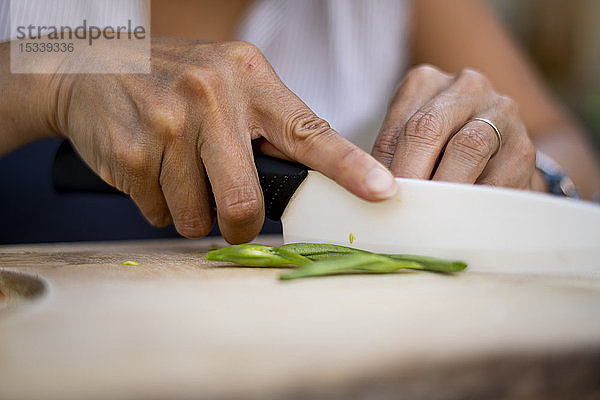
x: 343, y: 58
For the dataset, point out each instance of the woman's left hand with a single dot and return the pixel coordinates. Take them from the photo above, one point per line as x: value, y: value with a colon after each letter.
x: 429, y: 133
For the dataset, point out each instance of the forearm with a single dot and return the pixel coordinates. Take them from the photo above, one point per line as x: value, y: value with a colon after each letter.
x: 27, y: 105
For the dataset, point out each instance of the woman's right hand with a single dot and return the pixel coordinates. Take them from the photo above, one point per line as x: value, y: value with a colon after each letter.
x: 171, y: 137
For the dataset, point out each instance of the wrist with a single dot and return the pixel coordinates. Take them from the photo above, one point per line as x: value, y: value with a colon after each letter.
x: 34, y: 105
x: 28, y: 105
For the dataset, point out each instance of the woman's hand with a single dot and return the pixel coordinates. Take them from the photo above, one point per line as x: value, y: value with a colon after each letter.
x: 177, y: 136
x: 428, y: 132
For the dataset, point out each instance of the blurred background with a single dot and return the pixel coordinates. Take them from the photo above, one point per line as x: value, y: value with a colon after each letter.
x: 561, y: 38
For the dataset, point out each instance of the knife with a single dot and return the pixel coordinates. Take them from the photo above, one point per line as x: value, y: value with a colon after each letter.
x: 493, y: 229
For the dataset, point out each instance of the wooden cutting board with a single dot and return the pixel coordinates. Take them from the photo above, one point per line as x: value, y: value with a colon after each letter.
x: 79, y: 324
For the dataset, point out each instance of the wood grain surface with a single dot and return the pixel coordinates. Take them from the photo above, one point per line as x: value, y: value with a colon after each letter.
x: 80, y: 325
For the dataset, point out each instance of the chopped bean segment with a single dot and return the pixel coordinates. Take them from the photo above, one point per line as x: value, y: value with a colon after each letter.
x: 256, y: 255
x: 365, y: 262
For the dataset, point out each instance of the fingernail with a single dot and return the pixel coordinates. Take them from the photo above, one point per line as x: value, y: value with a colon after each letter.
x: 381, y: 183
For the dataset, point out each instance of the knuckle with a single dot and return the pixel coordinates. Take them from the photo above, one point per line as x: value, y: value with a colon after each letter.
x: 307, y: 131
x: 473, y: 79
x: 167, y: 124
x: 425, y: 73
x: 134, y: 160
x: 246, y: 55
x: 425, y: 128
x: 470, y: 74
x: 423, y: 70
x: 507, y: 105
x: 418, y: 71
x: 242, y: 204
x: 386, y: 143
x: 472, y: 145
x: 205, y: 84
x: 305, y: 124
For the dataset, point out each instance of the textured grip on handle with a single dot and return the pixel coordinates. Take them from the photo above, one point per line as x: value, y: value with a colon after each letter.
x: 279, y: 179
x: 71, y: 174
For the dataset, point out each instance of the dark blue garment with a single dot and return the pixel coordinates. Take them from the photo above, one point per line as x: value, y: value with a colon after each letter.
x: 31, y: 211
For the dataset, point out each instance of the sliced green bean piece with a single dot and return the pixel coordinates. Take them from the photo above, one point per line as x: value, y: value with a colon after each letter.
x: 323, y: 251
x: 344, y: 263
x: 256, y: 255
x: 431, y: 263
x: 365, y: 262
x: 389, y: 266
x: 320, y: 251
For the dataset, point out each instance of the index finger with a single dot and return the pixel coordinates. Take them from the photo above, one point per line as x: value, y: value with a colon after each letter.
x: 292, y: 127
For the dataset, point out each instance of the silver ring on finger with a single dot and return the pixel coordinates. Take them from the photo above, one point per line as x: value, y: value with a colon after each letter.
x: 495, y: 128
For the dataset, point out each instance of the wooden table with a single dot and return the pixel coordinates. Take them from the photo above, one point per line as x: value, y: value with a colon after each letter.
x: 79, y: 324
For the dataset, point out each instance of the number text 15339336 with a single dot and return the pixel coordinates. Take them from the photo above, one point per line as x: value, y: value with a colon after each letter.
x: 46, y: 47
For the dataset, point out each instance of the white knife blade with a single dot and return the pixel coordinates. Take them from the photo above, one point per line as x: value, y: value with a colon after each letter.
x: 492, y: 229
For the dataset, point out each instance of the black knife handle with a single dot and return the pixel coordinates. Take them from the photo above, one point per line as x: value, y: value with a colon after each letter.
x: 279, y: 179
x: 71, y: 174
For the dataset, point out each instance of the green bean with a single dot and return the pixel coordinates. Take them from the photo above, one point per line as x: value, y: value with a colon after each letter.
x: 431, y: 263
x: 320, y: 251
x: 256, y: 255
x: 389, y: 265
x: 364, y: 262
